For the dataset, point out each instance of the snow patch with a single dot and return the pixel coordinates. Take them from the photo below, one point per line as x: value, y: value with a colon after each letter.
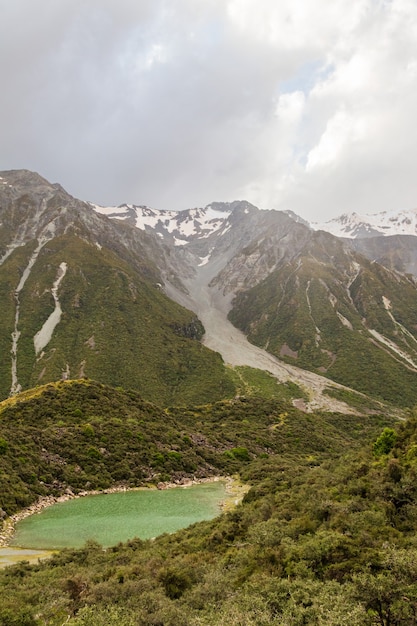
x: 212, y: 214
x: 16, y: 387
x: 111, y: 211
x: 10, y: 248
x: 179, y: 242
x: 121, y: 218
x: 3, y: 181
x: 333, y: 299
x: 187, y: 227
x: 199, y: 223
x: 398, y: 325
x: 44, y: 335
x: 226, y: 230
x: 387, y: 303
x: 204, y: 260
x: 318, y: 331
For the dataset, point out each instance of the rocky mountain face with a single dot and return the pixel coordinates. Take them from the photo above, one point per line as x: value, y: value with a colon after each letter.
x: 388, y: 237
x: 81, y: 297
x: 305, y: 296
x: 122, y: 294
x: 240, y: 242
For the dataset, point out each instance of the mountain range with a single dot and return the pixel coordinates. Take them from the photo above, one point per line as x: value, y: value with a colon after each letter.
x: 161, y: 301
x: 224, y: 340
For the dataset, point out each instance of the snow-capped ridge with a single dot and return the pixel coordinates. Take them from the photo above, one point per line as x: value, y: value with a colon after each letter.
x: 182, y: 226
x: 385, y: 223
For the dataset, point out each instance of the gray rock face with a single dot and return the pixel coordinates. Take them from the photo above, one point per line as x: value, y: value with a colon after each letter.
x: 389, y: 237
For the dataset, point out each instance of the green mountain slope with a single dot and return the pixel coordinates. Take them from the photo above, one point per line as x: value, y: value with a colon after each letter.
x: 116, y: 326
x: 81, y: 296
x: 349, y: 319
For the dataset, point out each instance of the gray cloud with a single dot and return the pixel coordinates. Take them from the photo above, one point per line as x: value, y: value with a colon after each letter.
x: 178, y: 104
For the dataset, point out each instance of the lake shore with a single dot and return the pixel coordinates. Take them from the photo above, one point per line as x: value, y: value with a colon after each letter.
x: 233, y: 487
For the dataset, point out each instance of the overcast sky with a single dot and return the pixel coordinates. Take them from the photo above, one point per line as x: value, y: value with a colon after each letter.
x: 308, y: 105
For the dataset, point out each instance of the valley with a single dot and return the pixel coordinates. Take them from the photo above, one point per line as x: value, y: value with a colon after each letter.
x: 141, y: 288
x: 143, y: 348
x: 312, y: 309
x: 212, y: 307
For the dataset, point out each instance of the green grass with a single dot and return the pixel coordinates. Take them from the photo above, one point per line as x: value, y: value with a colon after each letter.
x: 254, y: 382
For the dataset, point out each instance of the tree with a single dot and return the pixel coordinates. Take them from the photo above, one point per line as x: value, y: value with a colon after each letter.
x: 385, y: 442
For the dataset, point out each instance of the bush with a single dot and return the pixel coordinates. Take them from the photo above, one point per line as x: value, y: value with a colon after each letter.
x: 3, y: 446
x: 385, y: 442
x: 241, y: 454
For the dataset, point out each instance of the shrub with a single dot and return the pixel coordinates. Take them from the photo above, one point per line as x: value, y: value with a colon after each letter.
x: 3, y: 445
x: 385, y: 442
x: 239, y: 453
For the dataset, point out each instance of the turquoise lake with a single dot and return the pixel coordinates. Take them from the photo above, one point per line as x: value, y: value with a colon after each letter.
x: 111, y: 518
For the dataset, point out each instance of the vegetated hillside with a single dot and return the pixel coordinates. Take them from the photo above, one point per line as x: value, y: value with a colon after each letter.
x: 80, y: 296
x: 115, y: 326
x: 353, y: 320
x: 329, y: 544
x: 84, y: 435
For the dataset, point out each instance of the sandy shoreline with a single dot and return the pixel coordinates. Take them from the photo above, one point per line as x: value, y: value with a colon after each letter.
x: 7, y: 532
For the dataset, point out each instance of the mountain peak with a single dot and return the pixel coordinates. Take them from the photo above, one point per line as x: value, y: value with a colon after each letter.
x: 181, y: 227
x: 296, y: 217
x: 235, y: 205
x: 23, y: 178
x: 382, y: 224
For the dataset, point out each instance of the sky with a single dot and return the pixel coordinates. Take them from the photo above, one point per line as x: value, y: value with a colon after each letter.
x: 302, y: 105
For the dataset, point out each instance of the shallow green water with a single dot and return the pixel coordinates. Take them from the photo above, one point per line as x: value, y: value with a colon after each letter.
x: 11, y: 556
x: 115, y: 517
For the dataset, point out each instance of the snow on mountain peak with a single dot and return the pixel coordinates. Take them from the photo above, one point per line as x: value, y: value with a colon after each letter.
x: 183, y: 226
x: 355, y: 226
x: 201, y: 223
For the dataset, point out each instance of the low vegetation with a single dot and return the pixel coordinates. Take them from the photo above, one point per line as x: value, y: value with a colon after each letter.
x: 326, y: 534
x: 254, y: 382
x: 319, y: 538
x: 84, y: 435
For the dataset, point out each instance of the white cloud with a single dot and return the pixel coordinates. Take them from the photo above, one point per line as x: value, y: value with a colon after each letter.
x: 296, y: 24
x: 342, y: 130
x: 290, y: 107
x: 302, y: 105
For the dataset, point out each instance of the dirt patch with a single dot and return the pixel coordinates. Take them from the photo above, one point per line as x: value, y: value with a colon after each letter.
x: 286, y: 351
